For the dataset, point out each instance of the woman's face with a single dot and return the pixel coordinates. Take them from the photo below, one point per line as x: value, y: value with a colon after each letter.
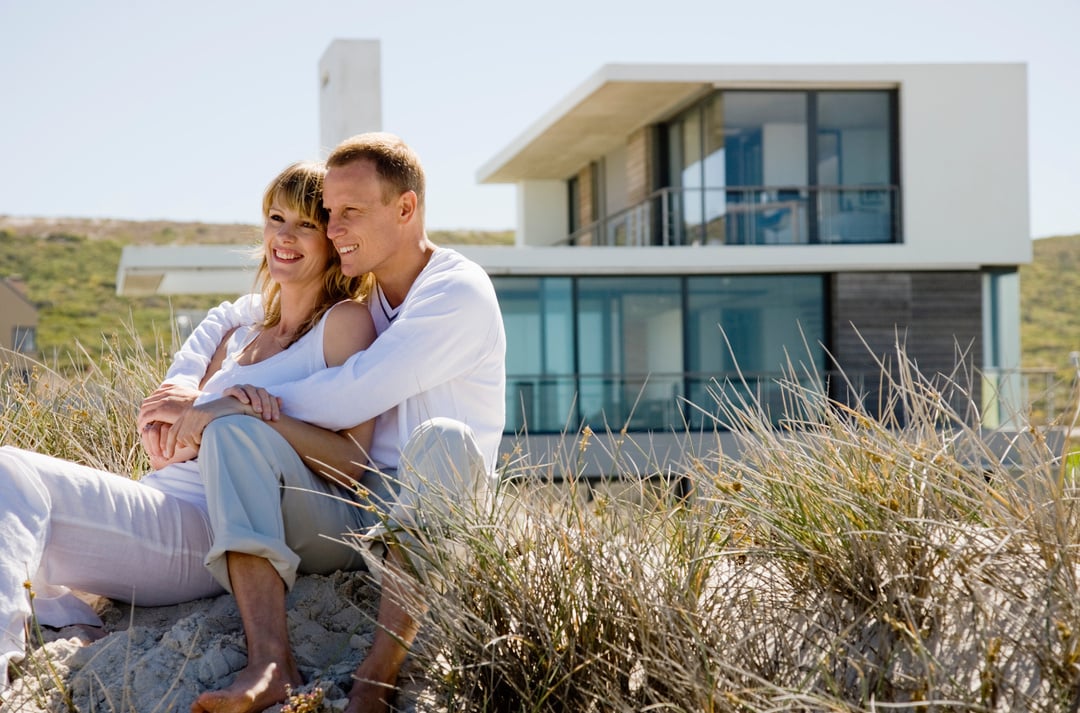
x: 297, y: 251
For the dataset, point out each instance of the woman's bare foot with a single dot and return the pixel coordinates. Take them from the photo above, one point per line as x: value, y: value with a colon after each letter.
x: 256, y: 688
x: 369, y: 697
x: 83, y: 633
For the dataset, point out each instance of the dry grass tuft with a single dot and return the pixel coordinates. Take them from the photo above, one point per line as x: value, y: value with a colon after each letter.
x: 839, y: 560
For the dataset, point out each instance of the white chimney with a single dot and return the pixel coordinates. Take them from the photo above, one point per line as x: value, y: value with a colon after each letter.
x: 350, y: 91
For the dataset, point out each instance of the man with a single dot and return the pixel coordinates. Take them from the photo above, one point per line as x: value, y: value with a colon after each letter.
x: 434, y: 379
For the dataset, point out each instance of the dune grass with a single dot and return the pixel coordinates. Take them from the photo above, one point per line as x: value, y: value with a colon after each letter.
x: 838, y: 561
x: 83, y: 409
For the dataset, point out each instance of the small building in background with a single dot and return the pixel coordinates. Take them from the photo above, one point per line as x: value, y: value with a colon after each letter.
x: 18, y: 325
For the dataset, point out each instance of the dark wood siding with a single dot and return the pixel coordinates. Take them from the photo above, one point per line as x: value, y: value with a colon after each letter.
x: 935, y: 316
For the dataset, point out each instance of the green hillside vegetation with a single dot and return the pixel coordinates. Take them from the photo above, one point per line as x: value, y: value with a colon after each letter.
x: 1050, y: 304
x: 71, y: 278
x: 70, y: 265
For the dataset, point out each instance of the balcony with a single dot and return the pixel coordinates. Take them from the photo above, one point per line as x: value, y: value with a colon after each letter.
x: 768, y: 215
x: 666, y: 402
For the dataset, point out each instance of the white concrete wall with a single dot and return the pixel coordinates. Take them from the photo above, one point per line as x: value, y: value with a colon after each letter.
x: 350, y: 91
x: 542, y: 213
x: 964, y: 150
x: 709, y: 259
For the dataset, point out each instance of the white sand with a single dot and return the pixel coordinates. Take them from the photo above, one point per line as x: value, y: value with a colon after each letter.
x: 159, y: 659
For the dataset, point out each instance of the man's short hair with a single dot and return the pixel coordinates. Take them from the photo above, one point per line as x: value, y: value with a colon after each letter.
x: 397, y: 165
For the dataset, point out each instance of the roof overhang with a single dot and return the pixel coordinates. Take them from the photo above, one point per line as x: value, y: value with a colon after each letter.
x: 185, y: 269
x: 598, y: 116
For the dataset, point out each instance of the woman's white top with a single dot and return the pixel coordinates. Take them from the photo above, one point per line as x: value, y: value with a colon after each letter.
x: 303, y: 358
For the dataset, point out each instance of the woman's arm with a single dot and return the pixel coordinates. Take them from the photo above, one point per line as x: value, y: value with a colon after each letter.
x: 154, y: 434
x: 191, y: 365
x: 340, y: 456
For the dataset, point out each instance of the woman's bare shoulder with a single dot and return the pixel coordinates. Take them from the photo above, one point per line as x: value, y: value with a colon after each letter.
x: 349, y: 329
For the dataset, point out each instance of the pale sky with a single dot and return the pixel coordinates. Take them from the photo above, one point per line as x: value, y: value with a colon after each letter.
x: 140, y: 109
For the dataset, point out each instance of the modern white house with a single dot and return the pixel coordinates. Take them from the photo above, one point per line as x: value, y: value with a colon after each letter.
x: 688, y: 229
x: 680, y: 225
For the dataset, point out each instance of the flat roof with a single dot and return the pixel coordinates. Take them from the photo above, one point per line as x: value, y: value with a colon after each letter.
x: 618, y: 99
x: 185, y: 270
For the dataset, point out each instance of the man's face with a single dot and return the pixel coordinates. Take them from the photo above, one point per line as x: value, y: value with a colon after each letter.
x: 364, y: 230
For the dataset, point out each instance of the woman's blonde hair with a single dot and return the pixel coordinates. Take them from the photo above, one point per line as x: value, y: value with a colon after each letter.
x: 299, y: 187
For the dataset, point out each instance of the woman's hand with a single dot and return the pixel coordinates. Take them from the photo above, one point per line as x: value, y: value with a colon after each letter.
x: 188, y: 429
x: 262, y: 402
x: 154, y: 437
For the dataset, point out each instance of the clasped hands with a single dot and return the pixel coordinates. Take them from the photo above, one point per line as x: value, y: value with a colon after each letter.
x: 171, y: 425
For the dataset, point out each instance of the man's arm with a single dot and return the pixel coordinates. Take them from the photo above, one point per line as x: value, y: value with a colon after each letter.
x: 442, y: 334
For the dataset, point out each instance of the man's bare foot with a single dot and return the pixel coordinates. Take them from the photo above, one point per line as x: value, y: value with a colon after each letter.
x: 256, y: 688
x: 369, y: 697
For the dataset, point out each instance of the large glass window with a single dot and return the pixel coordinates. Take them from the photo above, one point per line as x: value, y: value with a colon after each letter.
x: 687, y: 174
x: 743, y: 330
x: 615, y: 352
x: 1004, y: 393
x: 573, y: 204
x: 714, y: 171
x: 854, y: 167
x: 784, y: 167
x: 540, y: 384
x: 630, y: 355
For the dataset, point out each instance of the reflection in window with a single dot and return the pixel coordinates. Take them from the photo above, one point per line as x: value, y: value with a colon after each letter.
x: 714, y: 198
x: 615, y: 352
x: 854, y: 157
x: 630, y: 349
x: 24, y: 339
x: 539, y: 323
x: 746, y: 328
x: 784, y: 167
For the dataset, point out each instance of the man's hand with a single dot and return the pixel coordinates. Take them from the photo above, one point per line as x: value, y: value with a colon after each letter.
x: 166, y: 404
x: 262, y: 402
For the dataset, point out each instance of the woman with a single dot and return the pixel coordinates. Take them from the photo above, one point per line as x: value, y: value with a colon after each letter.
x: 66, y: 525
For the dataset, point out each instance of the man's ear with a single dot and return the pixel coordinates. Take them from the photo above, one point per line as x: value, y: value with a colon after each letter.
x: 407, y: 205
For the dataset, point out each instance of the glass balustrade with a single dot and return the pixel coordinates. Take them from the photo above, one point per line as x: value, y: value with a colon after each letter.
x: 792, y: 215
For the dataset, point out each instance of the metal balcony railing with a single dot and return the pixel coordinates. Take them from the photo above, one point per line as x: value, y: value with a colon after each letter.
x: 752, y: 215
x: 548, y: 403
